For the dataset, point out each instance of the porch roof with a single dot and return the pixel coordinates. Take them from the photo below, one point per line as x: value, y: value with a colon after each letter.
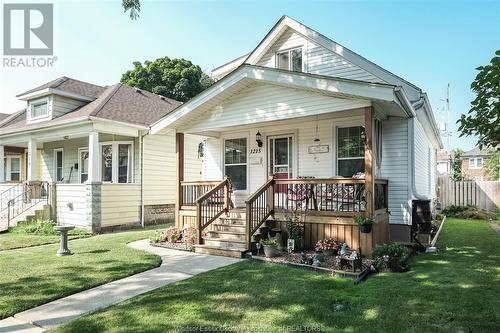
x: 382, y: 96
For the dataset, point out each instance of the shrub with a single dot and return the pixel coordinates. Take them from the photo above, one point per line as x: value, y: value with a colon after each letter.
x: 189, y: 236
x: 469, y: 212
x: 390, y: 256
x: 293, y: 227
x: 363, y: 220
x: 36, y: 227
x: 327, y: 244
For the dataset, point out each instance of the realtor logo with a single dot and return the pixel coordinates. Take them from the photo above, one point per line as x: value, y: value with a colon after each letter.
x: 28, y: 29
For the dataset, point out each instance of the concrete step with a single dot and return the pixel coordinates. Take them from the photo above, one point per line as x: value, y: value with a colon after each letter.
x: 223, y: 243
x: 219, y: 251
x: 227, y: 235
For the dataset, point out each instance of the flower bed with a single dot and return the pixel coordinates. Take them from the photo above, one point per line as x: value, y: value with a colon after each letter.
x: 176, y: 239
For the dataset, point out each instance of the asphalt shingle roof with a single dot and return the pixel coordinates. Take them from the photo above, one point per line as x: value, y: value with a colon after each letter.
x: 70, y: 85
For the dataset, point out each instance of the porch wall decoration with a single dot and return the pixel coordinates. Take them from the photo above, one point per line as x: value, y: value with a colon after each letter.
x: 318, y: 149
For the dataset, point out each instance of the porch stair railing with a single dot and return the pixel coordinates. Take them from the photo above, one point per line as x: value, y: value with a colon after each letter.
x: 21, y: 198
x: 211, y: 205
x: 259, y: 207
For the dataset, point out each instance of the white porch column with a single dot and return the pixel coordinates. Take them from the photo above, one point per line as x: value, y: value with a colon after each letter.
x: 32, y: 160
x: 93, y: 157
x: 2, y: 164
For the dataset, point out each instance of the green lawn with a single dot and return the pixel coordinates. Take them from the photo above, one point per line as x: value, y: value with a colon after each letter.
x: 9, y: 240
x: 455, y: 290
x: 33, y: 276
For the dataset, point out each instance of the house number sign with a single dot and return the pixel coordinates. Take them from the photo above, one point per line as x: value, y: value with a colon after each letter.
x: 319, y: 149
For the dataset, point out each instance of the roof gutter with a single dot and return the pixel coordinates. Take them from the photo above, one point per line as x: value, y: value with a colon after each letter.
x: 407, y: 106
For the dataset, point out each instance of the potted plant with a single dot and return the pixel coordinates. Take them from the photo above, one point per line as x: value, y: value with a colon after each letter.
x: 365, y: 224
x: 328, y: 246
x: 270, y: 247
x: 295, y: 230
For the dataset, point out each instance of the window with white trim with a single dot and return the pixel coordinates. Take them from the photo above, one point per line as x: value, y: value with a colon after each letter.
x: 12, y: 168
x: 83, y: 154
x: 235, y: 162
x: 290, y: 60
x: 59, y: 164
x: 475, y: 163
x: 350, y: 151
x: 39, y: 109
x: 117, y: 162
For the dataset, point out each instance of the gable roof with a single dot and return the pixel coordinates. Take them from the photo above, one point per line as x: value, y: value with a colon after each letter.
x: 118, y: 102
x: 287, y: 22
x: 476, y: 151
x: 69, y: 85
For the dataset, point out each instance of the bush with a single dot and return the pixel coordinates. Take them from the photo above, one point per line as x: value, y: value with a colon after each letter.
x: 469, y: 212
x: 391, y: 256
x: 36, y: 227
x: 171, y: 235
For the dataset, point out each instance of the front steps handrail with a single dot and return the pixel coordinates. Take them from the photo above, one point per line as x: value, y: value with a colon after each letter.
x: 211, y: 205
x: 8, y: 194
x: 32, y: 194
x: 259, y: 207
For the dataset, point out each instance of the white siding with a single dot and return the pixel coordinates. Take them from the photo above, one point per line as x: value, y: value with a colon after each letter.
x: 120, y: 204
x: 316, y: 58
x: 62, y: 105
x: 423, y: 160
x: 160, y: 167
x: 71, y: 207
x: 265, y: 102
x: 395, y: 168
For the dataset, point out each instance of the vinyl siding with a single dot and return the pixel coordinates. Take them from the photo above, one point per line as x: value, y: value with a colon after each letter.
x: 316, y: 58
x: 71, y: 206
x: 423, y: 160
x: 160, y: 167
x: 62, y: 105
x: 120, y: 204
x: 395, y: 168
x: 265, y: 102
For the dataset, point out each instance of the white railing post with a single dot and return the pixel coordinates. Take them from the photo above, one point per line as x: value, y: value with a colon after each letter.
x: 32, y: 160
x: 93, y: 176
x: 2, y: 164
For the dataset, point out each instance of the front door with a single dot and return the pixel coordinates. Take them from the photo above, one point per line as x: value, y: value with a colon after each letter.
x: 280, y: 156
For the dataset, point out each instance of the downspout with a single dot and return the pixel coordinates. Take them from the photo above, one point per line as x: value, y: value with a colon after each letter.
x: 141, y: 144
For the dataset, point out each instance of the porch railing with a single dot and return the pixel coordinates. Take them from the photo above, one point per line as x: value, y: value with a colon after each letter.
x: 211, y: 205
x: 191, y: 191
x: 258, y: 208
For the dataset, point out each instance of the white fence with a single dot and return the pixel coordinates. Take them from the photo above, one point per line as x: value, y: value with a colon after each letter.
x: 483, y: 194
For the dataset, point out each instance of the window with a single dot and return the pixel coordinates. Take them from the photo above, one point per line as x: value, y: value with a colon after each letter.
x: 350, y: 151
x: 84, y: 165
x: 58, y: 165
x: 290, y: 60
x: 235, y: 162
x: 39, y: 109
x: 116, y: 162
x: 12, y: 169
x: 475, y: 163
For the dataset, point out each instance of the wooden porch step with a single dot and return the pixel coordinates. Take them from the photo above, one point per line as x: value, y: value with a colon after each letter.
x: 219, y: 251
x: 227, y: 235
x: 232, y: 221
x: 224, y: 243
x: 231, y: 227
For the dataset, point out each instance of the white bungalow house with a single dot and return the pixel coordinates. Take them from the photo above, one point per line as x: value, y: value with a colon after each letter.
x: 84, y: 154
x: 303, y: 121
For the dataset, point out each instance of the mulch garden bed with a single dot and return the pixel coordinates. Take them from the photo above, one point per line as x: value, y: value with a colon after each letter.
x: 174, y: 246
x: 329, y: 264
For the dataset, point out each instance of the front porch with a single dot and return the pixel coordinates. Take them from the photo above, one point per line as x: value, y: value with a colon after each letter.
x: 327, y: 205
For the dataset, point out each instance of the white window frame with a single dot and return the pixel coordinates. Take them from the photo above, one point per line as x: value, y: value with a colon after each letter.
x: 336, y: 143
x: 80, y: 164
x: 234, y: 137
x: 56, y: 150
x: 36, y: 103
x: 114, y: 162
x: 8, y: 167
x: 473, y: 163
x: 289, y: 51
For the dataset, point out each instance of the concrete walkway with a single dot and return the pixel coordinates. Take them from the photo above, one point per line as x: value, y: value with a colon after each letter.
x: 176, y: 265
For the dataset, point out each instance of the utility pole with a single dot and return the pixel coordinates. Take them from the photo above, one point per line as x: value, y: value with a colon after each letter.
x: 446, y: 132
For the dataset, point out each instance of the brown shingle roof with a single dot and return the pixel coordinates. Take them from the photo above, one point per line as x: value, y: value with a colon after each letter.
x: 70, y: 85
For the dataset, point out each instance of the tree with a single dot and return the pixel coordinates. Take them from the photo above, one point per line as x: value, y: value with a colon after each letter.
x: 483, y: 119
x: 492, y: 166
x: 456, y: 161
x: 134, y: 6
x: 175, y: 78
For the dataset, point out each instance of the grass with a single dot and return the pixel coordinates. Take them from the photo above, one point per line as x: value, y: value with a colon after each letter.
x: 454, y: 290
x: 33, y: 276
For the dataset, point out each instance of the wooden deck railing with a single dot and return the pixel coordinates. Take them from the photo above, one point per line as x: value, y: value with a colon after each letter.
x: 191, y: 191
x: 259, y: 207
x: 211, y: 205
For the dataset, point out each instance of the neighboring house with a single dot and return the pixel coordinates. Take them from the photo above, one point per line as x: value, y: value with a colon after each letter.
x: 473, y: 163
x: 331, y: 127
x: 444, y: 163
x: 88, y: 148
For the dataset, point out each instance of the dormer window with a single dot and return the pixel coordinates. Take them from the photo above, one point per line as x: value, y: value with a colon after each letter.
x: 290, y: 60
x: 39, y: 109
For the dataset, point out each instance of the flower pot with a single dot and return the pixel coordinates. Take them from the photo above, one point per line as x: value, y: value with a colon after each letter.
x: 270, y: 250
x: 365, y: 228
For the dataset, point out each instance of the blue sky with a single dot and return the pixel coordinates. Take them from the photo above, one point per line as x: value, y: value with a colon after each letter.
x: 428, y: 43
